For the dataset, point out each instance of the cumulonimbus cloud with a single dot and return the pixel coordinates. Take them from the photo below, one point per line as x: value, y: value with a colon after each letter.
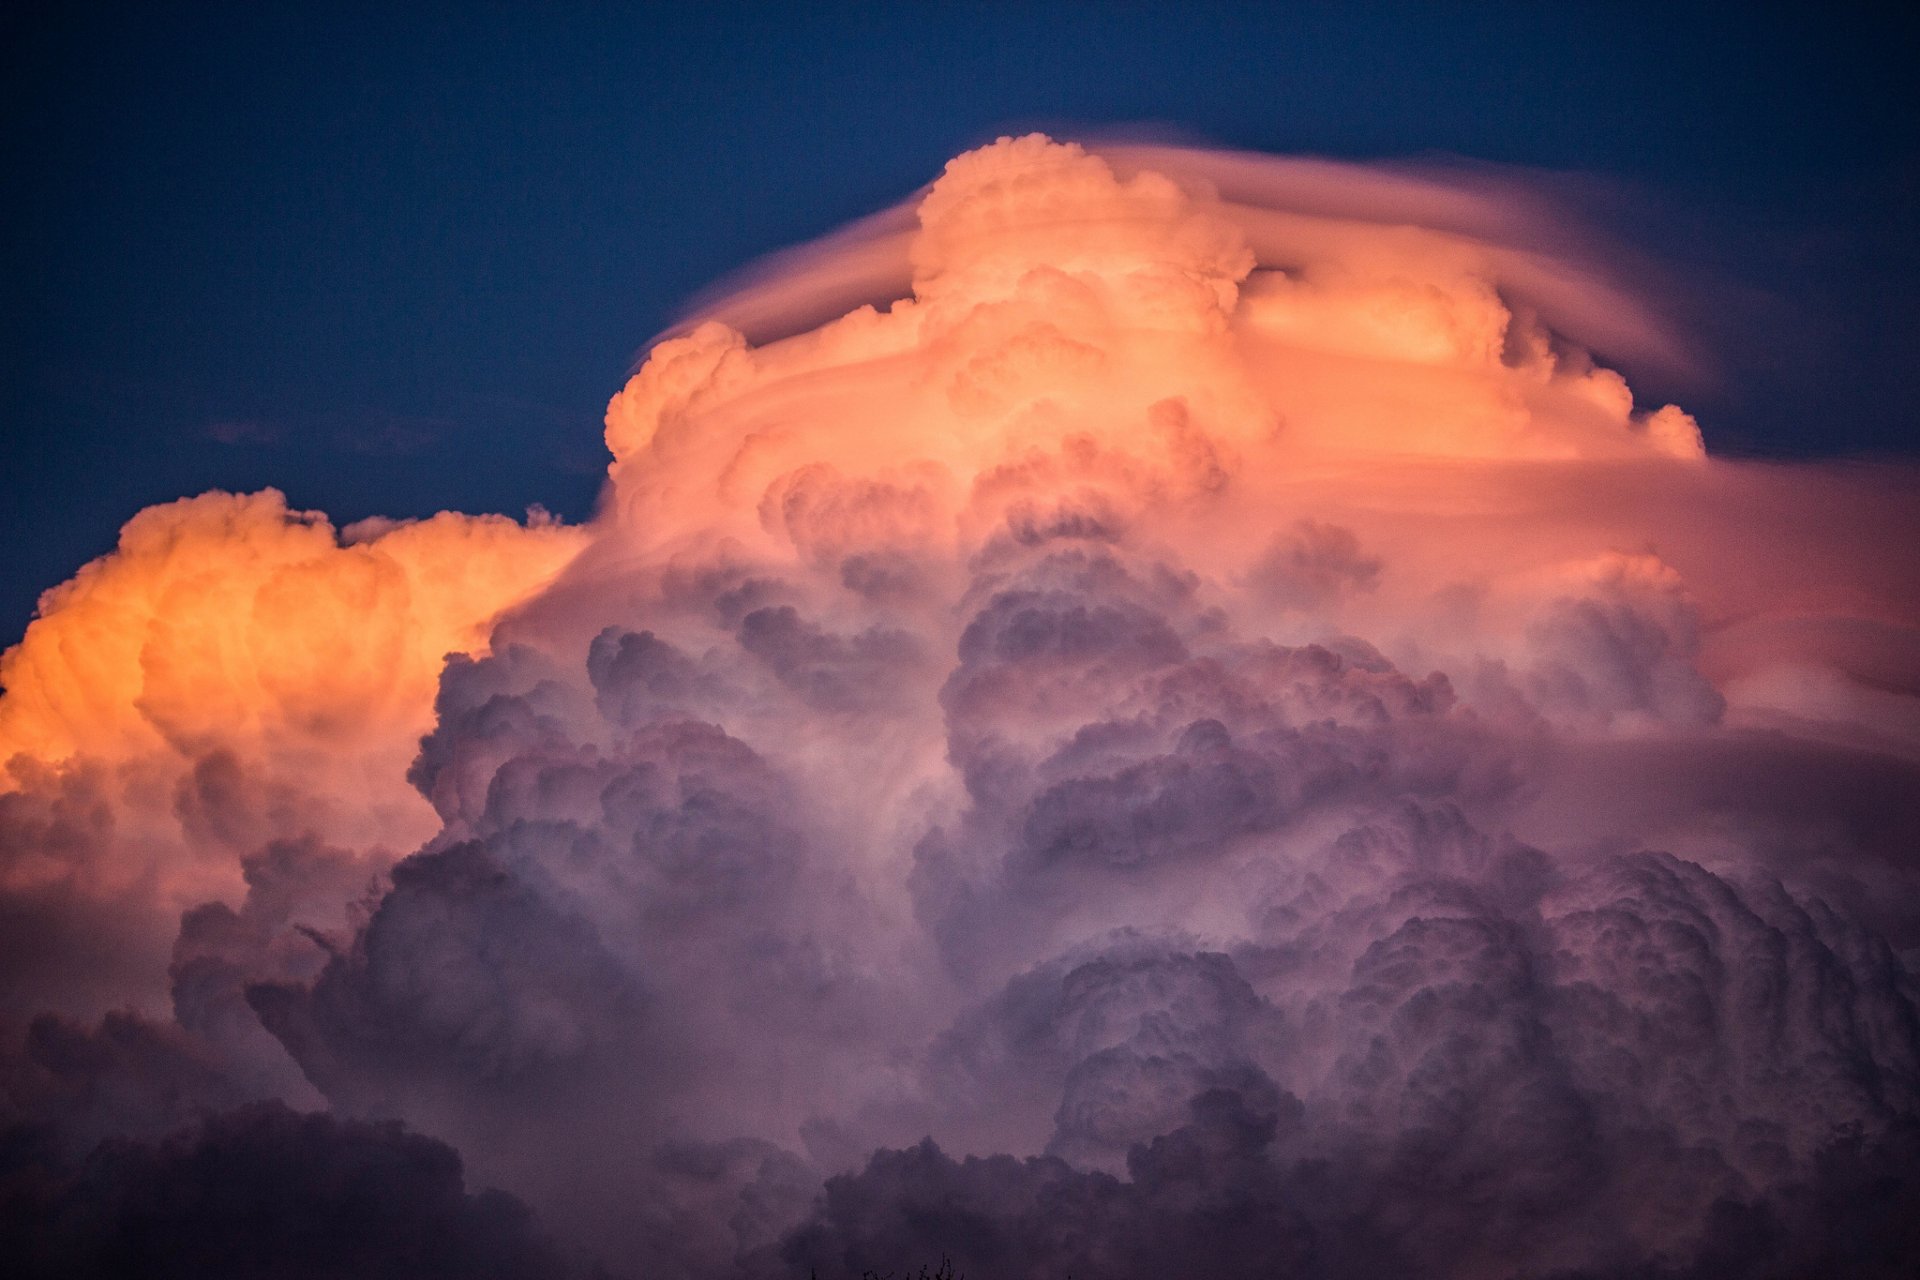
x: 1206, y: 735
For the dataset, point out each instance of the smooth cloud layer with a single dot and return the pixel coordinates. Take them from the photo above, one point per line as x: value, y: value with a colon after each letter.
x: 1208, y: 736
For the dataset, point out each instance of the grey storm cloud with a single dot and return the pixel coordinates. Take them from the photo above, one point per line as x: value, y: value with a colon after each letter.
x: 263, y: 1191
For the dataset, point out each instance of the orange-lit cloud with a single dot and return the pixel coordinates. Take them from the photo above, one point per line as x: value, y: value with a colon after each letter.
x: 1184, y: 339
x: 235, y: 671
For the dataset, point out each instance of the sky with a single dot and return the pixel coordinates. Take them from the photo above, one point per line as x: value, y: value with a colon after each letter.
x: 394, y: 259
x: 1268, y: 643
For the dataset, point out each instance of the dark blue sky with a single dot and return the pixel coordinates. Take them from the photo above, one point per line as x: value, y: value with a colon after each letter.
x: 397, y: 261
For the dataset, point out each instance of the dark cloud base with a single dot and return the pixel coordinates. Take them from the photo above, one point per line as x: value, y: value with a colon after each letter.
x: 261, y: 1191
x: 1210, y: 1199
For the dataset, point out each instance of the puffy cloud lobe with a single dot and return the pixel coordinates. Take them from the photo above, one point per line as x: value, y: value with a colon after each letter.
x: 235, y: 673
x: 830, y: 672
x: 1461, y: 1076
x: 301, y: 895
x: 1114, y: 1042
x: 1104, y: 756
x: 624, y: 911
x: 230, y: 616
x: 1662, y: 955
x: 461, y: 975
x: 136, y: 1074
x: 1207, y: 737
x: 1623, y: 648
x: 1314, y: 564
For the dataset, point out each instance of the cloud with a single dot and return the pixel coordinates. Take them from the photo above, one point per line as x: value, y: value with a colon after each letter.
x: 1218, y: 1195
x: 233, y: 674
x: 263, y: 1191
x: 1197, y: 732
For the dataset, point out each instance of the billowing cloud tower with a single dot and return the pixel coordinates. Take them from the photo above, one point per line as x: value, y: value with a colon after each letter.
x: 1208, y: 736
